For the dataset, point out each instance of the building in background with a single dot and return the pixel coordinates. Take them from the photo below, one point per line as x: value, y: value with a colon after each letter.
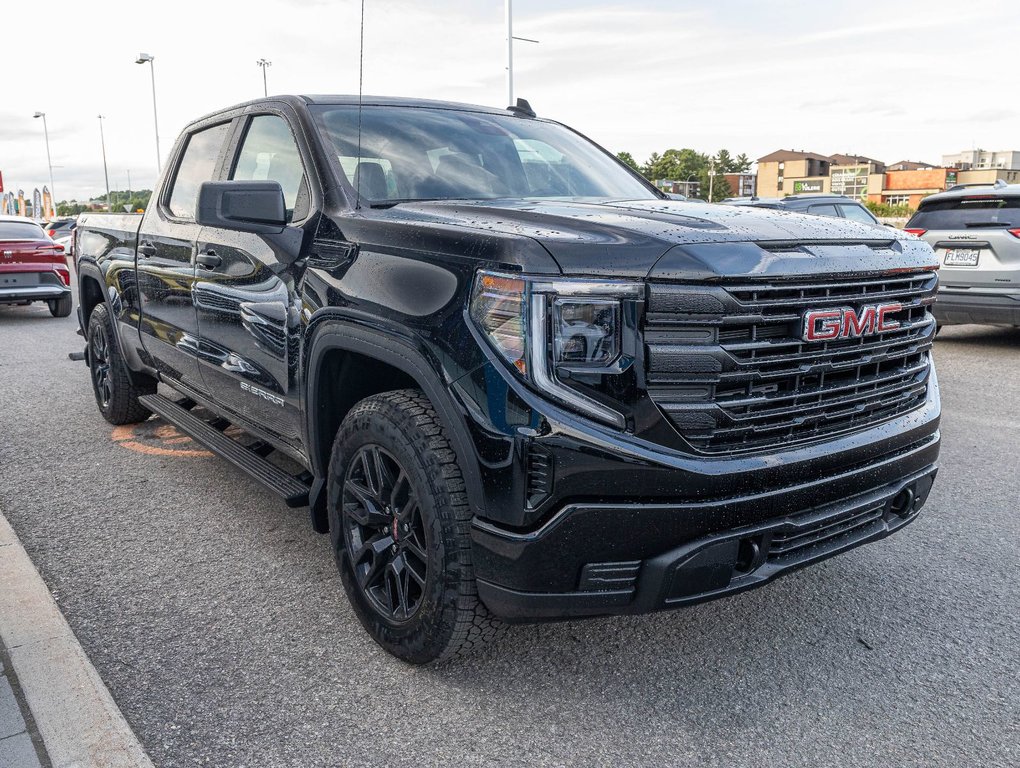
x: 849, y: 174
x: 910, y: 186
x: 979, y: 159
x: 790, y: 172
x: 741, y: 184
x: 908, y: 165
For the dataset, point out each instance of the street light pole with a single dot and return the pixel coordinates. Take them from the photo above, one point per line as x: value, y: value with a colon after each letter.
x: 144, y: 58
x: 106, y: 173
x: 264, y: 63
x: 49, y: 163
x: 510, y: 51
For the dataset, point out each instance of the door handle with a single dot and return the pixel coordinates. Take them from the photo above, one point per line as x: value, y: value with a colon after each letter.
x: 208, y: 259
x: 147, y: 250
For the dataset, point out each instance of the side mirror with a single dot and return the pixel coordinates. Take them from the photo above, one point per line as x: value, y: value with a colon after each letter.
x: 245, y: 206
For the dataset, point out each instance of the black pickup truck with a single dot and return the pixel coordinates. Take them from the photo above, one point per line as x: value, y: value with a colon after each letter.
x: 509, y: 377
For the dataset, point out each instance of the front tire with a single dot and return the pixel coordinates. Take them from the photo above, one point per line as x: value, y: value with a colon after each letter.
x: 116, y: 394
x: 399, y: 523
x: 60, y: 307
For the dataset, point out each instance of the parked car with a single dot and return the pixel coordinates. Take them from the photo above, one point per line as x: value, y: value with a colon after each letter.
x: 519, y: 381
x: 836, y: 206
x: 32, y: 267
x: 58, y: 228
x: 975, y: 231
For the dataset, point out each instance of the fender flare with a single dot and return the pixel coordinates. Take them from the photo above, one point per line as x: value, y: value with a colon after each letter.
x: 92, y: 271
x: 395, y: 346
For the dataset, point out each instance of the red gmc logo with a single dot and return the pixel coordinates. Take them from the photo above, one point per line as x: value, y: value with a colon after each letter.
x: 848, y: 323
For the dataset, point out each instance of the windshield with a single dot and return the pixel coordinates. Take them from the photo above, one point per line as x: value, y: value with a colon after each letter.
x: 968, y: 213
x: 415, y: 153
x: 21, y: 230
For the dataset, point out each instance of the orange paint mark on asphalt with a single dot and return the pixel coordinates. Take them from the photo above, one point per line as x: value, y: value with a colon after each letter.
x: 157, y: 438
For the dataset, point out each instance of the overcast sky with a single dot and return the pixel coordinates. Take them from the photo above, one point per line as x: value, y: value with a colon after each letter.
x: 892, y: 80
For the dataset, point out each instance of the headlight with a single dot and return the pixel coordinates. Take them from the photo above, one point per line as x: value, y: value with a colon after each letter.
x: 498, y: 307
x: 573, y: 339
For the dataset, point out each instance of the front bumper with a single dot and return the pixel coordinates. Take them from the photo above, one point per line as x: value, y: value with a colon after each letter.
x: 963, y: 308
x: 718, y: 564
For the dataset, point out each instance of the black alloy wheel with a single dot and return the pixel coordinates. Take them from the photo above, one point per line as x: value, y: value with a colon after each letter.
x: 386, y: 539
x: 117, y: 390
x: 99, y: 359
x: 400, y: 529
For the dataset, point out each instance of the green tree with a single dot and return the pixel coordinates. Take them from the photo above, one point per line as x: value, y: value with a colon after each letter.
x: 742, y: 163
x: 724, y: 162
x: 628, y: 159
x: 676, y: 164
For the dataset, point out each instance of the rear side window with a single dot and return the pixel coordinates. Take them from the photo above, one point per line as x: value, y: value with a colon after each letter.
x: 968, y: 212
x: 21, y: 230
x: 857, y: 213
x: 198, y: 165
x: 269, y: 153
x: 823, y: 210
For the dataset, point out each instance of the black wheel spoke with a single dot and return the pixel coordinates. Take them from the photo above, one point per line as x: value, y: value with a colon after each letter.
x: 385, y: 539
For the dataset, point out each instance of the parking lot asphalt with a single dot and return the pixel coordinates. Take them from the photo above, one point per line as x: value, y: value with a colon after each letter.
x: 216, y: 618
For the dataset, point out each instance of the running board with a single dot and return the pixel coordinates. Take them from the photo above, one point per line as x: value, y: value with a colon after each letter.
x: 293, y: 491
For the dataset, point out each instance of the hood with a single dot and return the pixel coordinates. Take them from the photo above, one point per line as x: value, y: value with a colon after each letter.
x: 627, y: 238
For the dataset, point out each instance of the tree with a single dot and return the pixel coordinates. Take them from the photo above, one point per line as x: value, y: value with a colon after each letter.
x: 724, y: 162
x: 628, y: 159
x: 743, y: 163
x: 676, y: 165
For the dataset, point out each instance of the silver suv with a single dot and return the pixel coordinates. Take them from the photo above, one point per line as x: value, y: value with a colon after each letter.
x: 975, y: 230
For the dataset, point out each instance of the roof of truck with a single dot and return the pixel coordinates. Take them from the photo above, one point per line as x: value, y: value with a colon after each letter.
x: 342, y: 99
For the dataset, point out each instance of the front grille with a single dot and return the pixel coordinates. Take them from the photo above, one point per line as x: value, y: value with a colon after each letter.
x: 794, y: 544
x: 728, y: 367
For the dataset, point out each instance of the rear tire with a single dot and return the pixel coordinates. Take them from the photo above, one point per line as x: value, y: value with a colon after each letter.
x: 399, y: 523
x: 116, y: 394
x: 60, y: 307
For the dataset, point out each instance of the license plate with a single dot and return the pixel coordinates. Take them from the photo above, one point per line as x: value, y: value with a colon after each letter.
x: 18, y: 280
x: 962, y: 257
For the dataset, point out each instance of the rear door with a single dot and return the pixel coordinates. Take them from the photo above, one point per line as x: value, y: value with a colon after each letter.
x: 165, y: 258
x: 977, y: 239
x: 249, y: 314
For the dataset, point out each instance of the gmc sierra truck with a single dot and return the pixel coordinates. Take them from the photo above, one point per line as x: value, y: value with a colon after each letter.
x: 507, y: 376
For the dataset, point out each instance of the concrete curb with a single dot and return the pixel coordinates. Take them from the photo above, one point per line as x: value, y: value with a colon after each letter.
x: 75, y: 714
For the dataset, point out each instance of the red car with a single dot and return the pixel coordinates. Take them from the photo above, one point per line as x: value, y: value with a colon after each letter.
x: 32, y: 267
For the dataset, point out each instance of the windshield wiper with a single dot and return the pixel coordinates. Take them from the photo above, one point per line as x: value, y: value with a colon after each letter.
x: 398, y: 200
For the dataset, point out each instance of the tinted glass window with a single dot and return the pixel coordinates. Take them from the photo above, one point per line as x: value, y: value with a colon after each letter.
x: 21, y: 230
x: 967, y: 213
x: 823, y: 210
x: 197, y: 166
x: 411, y: 153
x: 858, y: 213
x: 269, y: 153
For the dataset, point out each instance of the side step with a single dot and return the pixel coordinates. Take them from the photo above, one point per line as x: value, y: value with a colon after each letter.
x: 293, y: 491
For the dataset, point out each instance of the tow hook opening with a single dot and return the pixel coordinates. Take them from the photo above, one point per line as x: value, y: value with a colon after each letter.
x: 750, y: 554
x: 902, y: 504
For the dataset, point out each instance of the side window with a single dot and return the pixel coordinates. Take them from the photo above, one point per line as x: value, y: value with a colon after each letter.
x: 823, y: 210
x: 857, y: 213
x: 269, y: 153
x: 197, y: 165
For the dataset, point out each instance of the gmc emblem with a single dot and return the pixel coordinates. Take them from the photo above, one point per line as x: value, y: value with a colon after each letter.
x: 848, y: 323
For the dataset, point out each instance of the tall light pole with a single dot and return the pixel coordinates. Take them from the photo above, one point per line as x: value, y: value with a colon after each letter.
x: 49, y: 162
x: 510, y: 51
x: 264, y: 63
x: 106, y: 173
x: 144, y: 58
